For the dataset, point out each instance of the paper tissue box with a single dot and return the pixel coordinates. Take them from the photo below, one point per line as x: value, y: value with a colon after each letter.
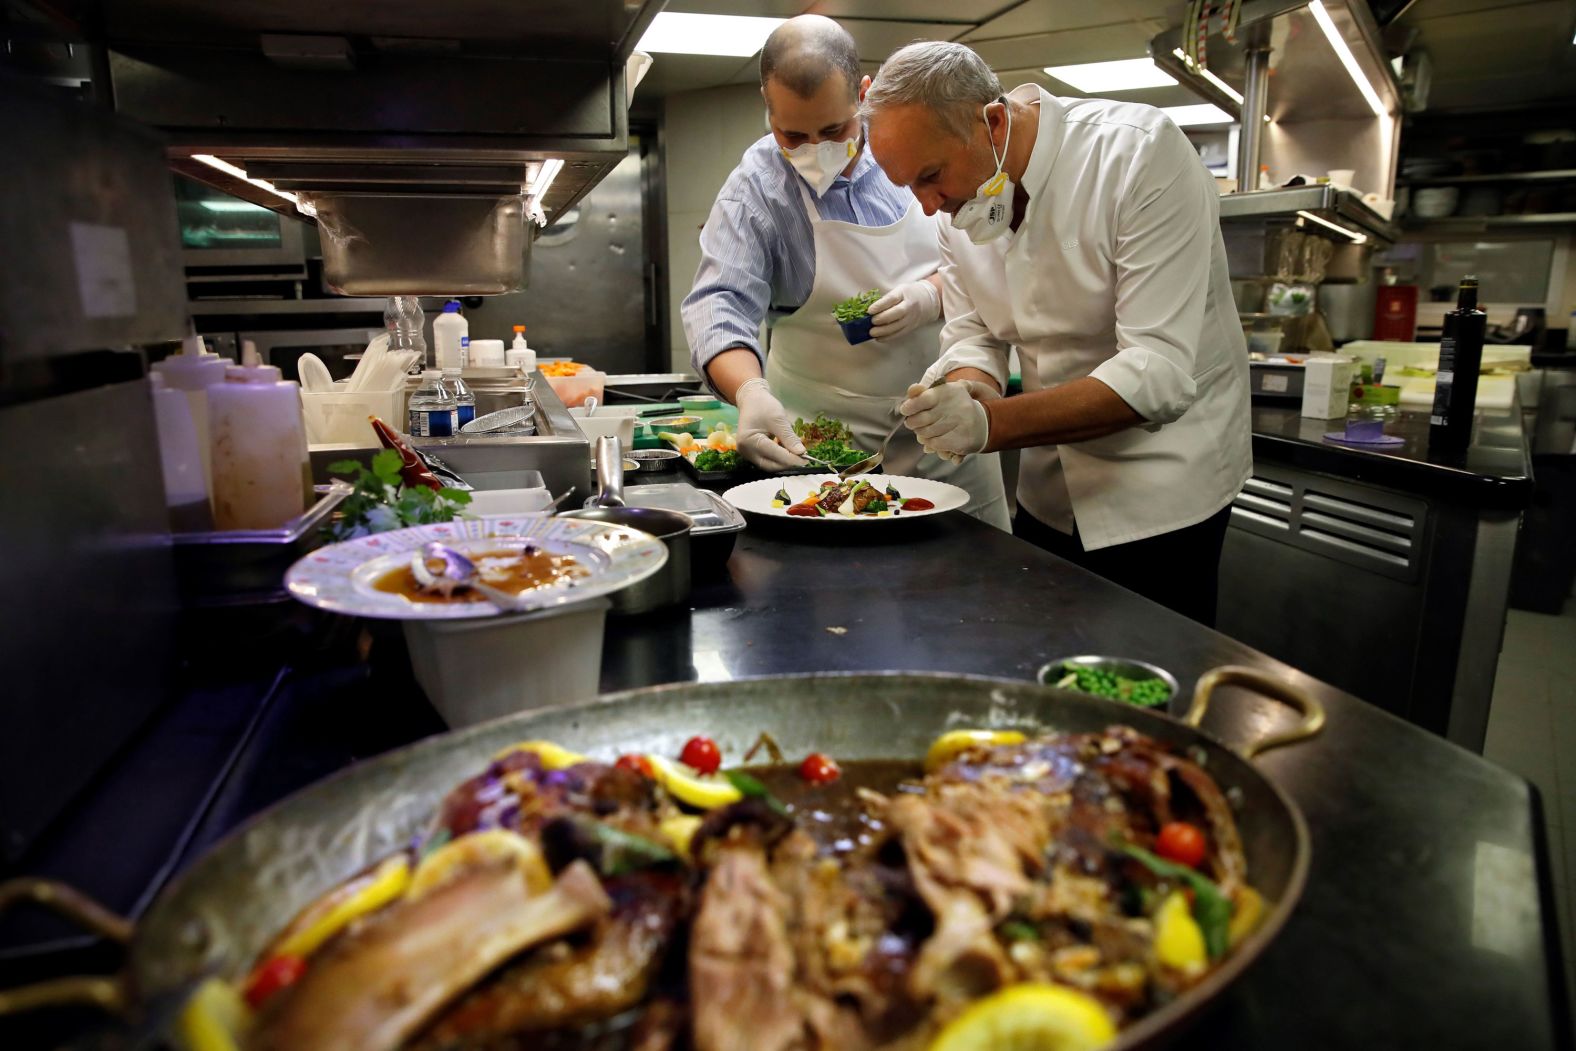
x: 1327, y: 387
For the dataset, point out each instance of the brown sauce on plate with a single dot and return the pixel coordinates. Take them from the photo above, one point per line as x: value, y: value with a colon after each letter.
x: 512, y: 569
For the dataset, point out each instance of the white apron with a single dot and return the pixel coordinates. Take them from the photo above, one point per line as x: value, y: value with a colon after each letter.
x: 807, y: 351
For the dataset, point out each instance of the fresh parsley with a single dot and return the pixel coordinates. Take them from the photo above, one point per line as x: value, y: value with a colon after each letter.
x: 855, y: 307
x: 379, y: 503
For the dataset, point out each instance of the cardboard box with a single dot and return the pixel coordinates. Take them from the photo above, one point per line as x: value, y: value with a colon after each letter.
x: 1327, y: 387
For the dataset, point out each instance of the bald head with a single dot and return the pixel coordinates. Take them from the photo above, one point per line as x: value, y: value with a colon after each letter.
x: 803, y: 53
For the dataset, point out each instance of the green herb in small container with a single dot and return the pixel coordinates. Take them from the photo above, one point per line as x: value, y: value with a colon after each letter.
x: 853, y: 315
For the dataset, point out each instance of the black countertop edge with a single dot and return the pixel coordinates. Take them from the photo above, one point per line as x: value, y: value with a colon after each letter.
x: 1495, y: 472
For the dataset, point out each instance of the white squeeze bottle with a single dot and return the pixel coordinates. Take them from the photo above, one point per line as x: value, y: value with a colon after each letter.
x: 261, y: 472
x: 450, y: 333
x: 520, y: 356
x: 192, y: 372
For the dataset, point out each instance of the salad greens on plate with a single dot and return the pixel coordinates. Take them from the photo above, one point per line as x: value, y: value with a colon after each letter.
x: 828, y: 440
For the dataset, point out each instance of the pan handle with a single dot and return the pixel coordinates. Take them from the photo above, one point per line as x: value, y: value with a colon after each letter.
x: 108, y: 993
x: 1236, y: 675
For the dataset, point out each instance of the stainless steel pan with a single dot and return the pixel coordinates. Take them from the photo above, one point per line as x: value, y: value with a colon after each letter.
x: 217, y: 916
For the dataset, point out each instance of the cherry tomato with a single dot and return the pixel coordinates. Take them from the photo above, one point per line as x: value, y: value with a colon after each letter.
x: 638, y: 763
x: 702, y: 754
x: 819, y: 769
x: 1181, y: 842
x: 272, y: 975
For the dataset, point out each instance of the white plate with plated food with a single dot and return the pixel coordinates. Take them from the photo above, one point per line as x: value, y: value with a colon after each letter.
x: 868, y: 498
x: 543, y: 562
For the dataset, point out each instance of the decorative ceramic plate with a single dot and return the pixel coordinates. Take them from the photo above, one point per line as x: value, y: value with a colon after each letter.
x: 759, y: 497
x: 341, y: 578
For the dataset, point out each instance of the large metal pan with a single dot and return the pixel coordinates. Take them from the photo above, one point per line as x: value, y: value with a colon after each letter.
x: 218, y: 915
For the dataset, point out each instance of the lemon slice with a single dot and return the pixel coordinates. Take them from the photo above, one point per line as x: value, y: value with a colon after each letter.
x: 1179, y: 942
x: 1247, y: 910
x: 481, y: 848
x: 215, y: 1018
x: 386, y: 883
x: 1031, y: 1016
x: 679, y: 830
x: 953, y: 743
x: 698, y: 790
x: 553, y: 756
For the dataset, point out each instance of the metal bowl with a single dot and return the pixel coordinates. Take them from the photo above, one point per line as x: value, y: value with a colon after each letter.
x: 1049, y: 674
x: 651, y: 460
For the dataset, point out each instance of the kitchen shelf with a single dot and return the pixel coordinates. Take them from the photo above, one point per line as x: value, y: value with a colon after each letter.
x: 1468, y: 222
x: 1552, y: 175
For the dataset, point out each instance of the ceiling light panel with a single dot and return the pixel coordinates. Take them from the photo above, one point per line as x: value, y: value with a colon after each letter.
x: 1128, y: 74
x: 679, y: 33
x: 1197, y: 115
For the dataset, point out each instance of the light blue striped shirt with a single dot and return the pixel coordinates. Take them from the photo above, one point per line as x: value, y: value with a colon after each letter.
x: 758, y: 249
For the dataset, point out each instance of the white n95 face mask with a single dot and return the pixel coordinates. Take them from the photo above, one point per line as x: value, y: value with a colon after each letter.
x: 988, y: 214
x: 822, y: 162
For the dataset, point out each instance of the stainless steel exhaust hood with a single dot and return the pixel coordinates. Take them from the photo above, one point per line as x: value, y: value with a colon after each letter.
x: 423, y: 135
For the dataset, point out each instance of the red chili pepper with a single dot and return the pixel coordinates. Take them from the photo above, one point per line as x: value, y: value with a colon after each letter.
x: 819, y: 769
x: 638, y: 763
x: 411, y: 469
x: 702, y: 754
x: 272, y: 975
x: 1181, y: 842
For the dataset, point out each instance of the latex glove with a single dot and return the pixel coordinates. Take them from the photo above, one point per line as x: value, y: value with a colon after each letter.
x: 766, y: 436
x: 949, y: 420
x: 904, y: 309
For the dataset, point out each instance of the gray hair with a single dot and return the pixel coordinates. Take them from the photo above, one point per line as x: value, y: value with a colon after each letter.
x: 951, y: 79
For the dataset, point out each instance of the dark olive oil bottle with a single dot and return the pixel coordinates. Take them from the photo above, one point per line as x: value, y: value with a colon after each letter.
x: 1455, y: 388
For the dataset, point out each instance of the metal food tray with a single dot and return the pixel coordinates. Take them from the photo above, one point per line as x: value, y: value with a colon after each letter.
x: 712, y: 514
x: 247, y: 566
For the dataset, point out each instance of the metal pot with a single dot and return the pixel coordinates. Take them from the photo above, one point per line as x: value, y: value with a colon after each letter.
x: 223, y: 910
x: 669, y: 585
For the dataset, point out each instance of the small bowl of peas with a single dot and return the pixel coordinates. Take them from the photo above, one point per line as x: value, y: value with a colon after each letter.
x: 1138, y: 683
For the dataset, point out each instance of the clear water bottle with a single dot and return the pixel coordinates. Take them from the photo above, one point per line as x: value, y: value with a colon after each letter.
x: 464, y: 400
x: 433, y: 412
x: 403, y: 318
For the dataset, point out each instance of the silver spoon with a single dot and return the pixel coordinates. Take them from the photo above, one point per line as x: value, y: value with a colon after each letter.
x: 870, y: 463
x: 459, y: 569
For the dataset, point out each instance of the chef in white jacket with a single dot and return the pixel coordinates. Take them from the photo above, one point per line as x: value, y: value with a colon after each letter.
x: 1085, y: 233
x: 807, y: 219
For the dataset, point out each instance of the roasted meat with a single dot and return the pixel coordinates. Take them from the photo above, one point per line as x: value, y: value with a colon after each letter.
x: 376, y: 987
x: 577, y: 981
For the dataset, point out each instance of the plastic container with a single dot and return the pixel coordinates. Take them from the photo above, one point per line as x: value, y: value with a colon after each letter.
x: 527, y: 501
x: 404, y: 320
x: 340, y: 416
x: 464, y: 400
x: 856, y: 331
x: 192, y: 372
x: 486, y: 353
x: 261, y: 472
x: 433, y: 412
x: 181, y: 457
x: 607, y: 420
x: 574, y: 390
x: 450, y: 331
x: 485, y: 667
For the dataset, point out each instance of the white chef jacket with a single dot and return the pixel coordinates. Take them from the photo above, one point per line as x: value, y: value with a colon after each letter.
x: 1117, y: 271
